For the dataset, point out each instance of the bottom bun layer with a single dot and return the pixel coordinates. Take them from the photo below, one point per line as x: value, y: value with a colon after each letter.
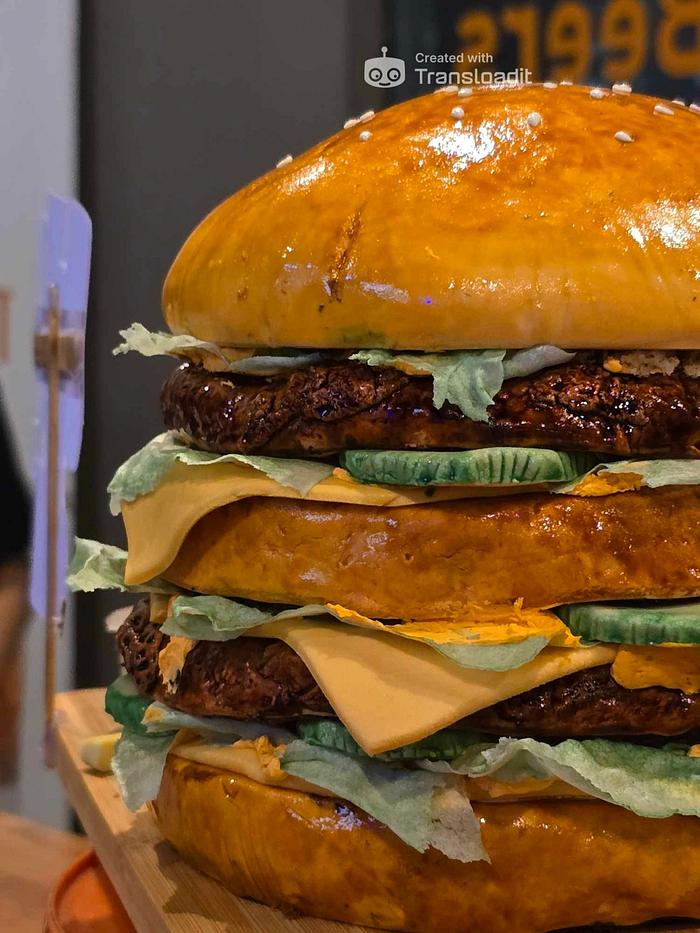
x: 554, y: 864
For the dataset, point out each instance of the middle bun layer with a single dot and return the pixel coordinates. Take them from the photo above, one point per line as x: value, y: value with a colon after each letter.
x: 422, y: 562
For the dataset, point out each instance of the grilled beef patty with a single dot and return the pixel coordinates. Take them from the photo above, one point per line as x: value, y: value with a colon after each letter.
x: 344, y: 405
x: 260, y: 678
x: 590, y: 703
x: 248, y: 678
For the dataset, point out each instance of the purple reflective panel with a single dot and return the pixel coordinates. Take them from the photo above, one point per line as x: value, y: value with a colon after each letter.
x: 64, y: 262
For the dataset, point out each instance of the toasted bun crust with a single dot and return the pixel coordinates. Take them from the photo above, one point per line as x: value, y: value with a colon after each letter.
x: 441, y: 231
x: 554, y: 864
x: 422, y: 562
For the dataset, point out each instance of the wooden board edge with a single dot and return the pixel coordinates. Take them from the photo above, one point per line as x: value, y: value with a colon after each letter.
x: 144, y: 913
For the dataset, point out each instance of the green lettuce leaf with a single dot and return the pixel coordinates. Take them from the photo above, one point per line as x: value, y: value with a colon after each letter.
x: 652, y: 782
x: 97, y: 566
x: 654, y: 473
x: 492, y: 657
x: 158, y: 343
x: 138, y: 765
x: 422, y: 813
x: 519, y: 363
x: 146, y: 468
x: 140, y: 756
x: 160, y: 719
x: 469, y: 379
x: 423, y: 809
x: 217, y: 618
x: 138, y: 338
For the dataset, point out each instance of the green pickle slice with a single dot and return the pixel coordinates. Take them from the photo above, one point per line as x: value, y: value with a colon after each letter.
x: 656, y: 623
x: 125, y: 704
x: 484, y: 467
x: 445, y: 745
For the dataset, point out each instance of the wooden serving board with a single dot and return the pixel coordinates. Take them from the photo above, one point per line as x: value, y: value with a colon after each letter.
x: 160, y: 892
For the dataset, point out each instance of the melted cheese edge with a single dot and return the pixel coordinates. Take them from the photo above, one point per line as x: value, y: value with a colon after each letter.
x: 256, y: 759
x: 676, y: 667
x: 481, y: 625
x: 171, y: 660
x: 605, y: 484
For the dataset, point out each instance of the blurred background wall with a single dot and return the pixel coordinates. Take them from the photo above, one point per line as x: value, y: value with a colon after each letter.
x: 38, y: 151
x: 182, y: 103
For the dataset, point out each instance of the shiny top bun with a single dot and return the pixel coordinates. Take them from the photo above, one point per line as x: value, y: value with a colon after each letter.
x: 501, y: 218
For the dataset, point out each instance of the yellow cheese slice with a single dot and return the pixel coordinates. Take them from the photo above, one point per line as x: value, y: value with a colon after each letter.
x: 675, y: 667
x: 188, y: 493
x: 159, y: 604
x: 252, y: 759
x: 257, y: 760
x: 487, y: 789
x: 171, y: 660
x: 391, y: 691
x: 482, y: 625
x: 98, y: 750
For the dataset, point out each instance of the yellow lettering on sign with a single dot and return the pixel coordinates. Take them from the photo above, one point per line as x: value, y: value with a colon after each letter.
x: 523, y: 20
x: 568, y: 40
x: 572, y: 28
x: 623, y: 30
x: 679, y: 17
x: 479, y: 34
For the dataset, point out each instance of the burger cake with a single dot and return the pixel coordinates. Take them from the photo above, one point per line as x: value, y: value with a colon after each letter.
x: 416, y: 634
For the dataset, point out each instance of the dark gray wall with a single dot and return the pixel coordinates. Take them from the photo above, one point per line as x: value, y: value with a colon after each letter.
x: 182, y: 102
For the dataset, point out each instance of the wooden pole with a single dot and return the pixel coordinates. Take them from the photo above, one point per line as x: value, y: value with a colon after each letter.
x: 52, y: 610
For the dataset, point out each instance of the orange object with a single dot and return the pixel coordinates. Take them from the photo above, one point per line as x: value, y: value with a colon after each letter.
x: 555, y: 864
x: 517, y: 217
x: 545, y: 549
x: 84, y: 899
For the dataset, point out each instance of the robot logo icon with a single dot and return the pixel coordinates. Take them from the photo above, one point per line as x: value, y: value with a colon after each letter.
x: 385, y: 72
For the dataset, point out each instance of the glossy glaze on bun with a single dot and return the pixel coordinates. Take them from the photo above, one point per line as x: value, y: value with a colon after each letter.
x: 428, y: 561
x: 554, y: 863
x: 527, y: 219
